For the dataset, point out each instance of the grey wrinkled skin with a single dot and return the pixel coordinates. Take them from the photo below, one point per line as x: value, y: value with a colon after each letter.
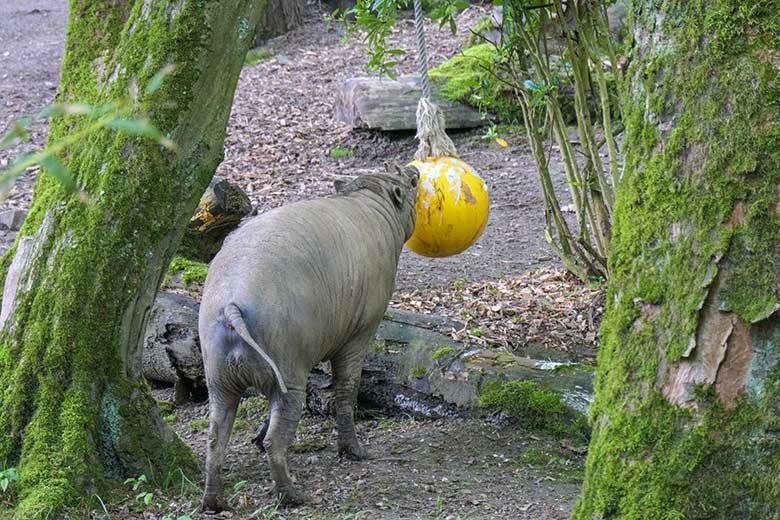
x: 311, y: 282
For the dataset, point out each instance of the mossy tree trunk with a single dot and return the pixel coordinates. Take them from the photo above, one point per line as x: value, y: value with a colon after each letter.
x: 686, y: 419
x: 74, y: 408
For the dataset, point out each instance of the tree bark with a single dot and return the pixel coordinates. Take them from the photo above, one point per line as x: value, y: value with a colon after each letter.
x: 279, y: 17
x: 74, y: 407
x: 686, y: 415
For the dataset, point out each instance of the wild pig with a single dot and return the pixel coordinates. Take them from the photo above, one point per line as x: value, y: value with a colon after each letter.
x: 295, y: 286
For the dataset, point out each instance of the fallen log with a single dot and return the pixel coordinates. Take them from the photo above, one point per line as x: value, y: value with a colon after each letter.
x: 410, y: 369
x: 386, y: 104
x: 171, y: 351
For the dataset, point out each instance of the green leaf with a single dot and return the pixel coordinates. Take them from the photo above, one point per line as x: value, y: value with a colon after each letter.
x: 52, y: 166
x: 157, y: 80
x: 135, y: 127
x: 142, y: 128
x: 18, y: 131
x: 9, y: 177
x: 4, y: 484
x: 69, y: 109
x: 148, y: 499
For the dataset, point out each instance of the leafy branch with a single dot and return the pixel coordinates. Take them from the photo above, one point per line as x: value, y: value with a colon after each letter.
x: 119, y: 116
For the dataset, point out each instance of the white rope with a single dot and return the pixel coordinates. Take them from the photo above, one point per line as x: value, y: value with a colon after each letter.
x: 431, y: 127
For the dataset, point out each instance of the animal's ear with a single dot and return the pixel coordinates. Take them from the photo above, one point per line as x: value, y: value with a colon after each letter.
x: 411, y: 173
x: 398, y: 196
x: 340, y: 184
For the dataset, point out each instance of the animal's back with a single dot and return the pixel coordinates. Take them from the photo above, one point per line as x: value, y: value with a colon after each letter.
x: 312, y: 273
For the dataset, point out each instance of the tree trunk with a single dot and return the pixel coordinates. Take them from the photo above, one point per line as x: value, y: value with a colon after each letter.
x: 279, y: 17
x: 687, y: 409
x: 74, y: 407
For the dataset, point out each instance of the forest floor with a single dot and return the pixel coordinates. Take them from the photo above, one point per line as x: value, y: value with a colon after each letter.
x: 278, y: 149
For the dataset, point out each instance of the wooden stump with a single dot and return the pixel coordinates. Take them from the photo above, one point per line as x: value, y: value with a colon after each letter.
x: 219, y: 212
x: 386, y: 104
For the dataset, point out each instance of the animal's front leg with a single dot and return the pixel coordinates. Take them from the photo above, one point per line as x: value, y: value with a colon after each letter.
x: 286, y: 411
x: 347, y: 369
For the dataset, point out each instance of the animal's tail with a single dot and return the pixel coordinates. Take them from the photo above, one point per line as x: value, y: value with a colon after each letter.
x: 236, y: 320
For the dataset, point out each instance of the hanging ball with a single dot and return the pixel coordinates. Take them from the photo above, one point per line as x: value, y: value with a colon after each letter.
x: 452, y: 207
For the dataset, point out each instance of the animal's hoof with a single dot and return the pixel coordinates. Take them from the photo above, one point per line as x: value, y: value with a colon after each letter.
x: 257, y: 440
x: 213, y: 504
x: 355, y: 452
x: 289, y: 496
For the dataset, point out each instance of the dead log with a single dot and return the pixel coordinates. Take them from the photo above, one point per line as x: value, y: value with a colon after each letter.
x: 413, y: 369
x: 219, y: 212
x: 386, y: 104
x: 171, y: 351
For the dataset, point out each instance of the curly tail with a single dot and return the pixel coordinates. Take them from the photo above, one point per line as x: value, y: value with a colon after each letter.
x: 236, y: 320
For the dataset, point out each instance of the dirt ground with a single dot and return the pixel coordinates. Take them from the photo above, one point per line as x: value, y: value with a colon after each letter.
x: 278, y: 147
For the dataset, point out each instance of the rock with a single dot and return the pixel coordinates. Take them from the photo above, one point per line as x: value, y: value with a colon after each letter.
x: 386, y: 104
x: 219, y: 212
x: 171, y: 351
x: 12, y: 219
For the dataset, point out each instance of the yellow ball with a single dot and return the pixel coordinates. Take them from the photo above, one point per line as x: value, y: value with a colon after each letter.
x: 452, y: 207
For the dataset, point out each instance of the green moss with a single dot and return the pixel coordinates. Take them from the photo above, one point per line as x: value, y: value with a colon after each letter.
x: 308, y: 446
x: 696, y: 216
x: 338, y: 153
x: 255, y: 56
x: 252, y: 408
x: 192, y: 271
x: 470, y: 78
x: 535, y: 407
x: 199, y: 425
x: 534, y: 457
x: 442, y: 352
x: 379, y: 347
x: 418, y: 372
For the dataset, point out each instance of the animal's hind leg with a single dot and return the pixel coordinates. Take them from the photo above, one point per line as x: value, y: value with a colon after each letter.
x: 286, y: 411
x: 261, y: 432
x: 347, y: 368
x: 222, y: 413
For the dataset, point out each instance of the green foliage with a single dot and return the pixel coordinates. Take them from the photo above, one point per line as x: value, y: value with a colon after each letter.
x: 418, y: 372
x: 192, y: 271
x: 377, y: 17
x: 473, y: 77
x: 198, y: 425
x: 379, y: 347
x: 338, y: 153
x: 255, y: 56
x: 143, y: 496
x: 124, y: 116
x: 8, y: 476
